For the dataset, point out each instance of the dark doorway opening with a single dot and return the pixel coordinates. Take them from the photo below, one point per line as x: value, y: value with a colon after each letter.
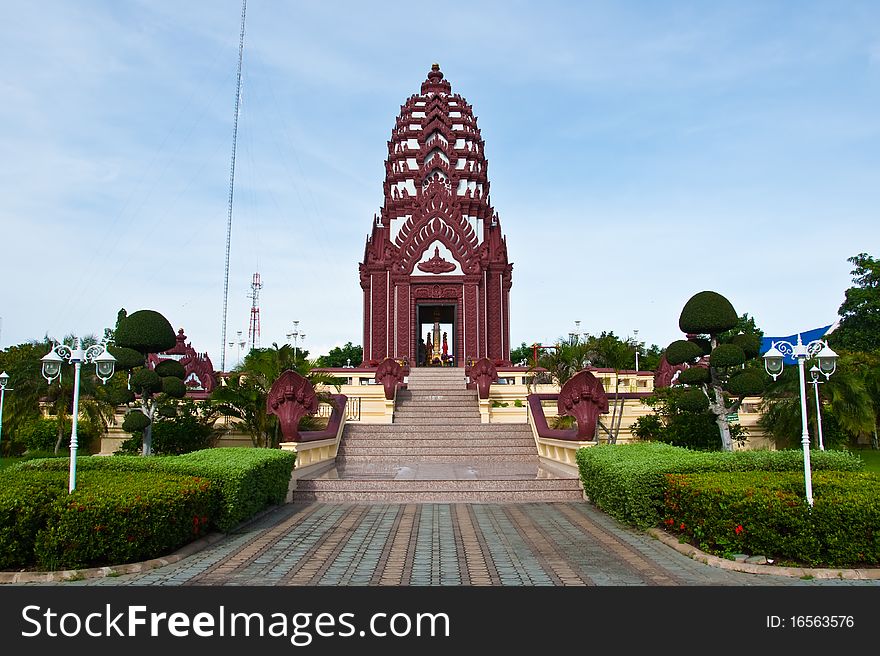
x: 439, y: 318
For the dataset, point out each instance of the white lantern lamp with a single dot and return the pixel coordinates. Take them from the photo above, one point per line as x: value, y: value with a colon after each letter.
x: 105, y: 365
x: 827, y: 361
x: 51, y: 365
x: 773, y: 361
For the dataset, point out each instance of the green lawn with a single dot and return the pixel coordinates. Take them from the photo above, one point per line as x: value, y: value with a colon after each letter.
x: 8, y: 462
x: 871, y: 458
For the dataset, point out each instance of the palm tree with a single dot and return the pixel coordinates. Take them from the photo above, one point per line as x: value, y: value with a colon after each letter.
x: 565, y: 360
x: 247, y: 388
x: 609, y: 351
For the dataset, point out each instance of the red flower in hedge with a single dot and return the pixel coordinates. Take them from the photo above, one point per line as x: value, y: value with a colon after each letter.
x: 681, y: 528
x: 739, y: 529
x: 670, y: 521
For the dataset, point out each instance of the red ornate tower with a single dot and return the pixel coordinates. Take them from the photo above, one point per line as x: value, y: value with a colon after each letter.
x: 436, y: 254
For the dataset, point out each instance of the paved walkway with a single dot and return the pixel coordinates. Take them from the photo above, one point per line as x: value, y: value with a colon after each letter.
x: 531, y: 544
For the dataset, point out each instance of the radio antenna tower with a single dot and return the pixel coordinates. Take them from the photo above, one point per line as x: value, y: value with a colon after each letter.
x: 254, y: 330
x: 231, y: 185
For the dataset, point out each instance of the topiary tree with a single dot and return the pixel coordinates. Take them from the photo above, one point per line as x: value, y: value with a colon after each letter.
x: 719, y: 348
x: 137, y: 335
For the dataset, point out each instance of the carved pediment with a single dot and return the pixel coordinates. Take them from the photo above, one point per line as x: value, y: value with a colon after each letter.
x: 436, y: 264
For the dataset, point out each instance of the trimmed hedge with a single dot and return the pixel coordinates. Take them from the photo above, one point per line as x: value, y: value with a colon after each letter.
x: 681, y: 351
x: 249, y: 480
x: 25, y: 507
x: 695, y: 376
x: 122, y: 517
x: 628, y: 480
x: 707, y: 313
x: 146, y: 331
x: 767, y: 514
x: 727, y: 355
x: 112, y: 517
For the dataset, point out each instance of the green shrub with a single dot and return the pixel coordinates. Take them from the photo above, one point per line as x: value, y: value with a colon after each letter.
x: 121, y: 517
x: 126, y: 358
x: 767, y: 513
x: 707, y: 313
x: 727, y: 355
x: 135, y: 421
x: 146, y: 331
x: 694, y: 376
x: 173, y: 387
x: 682, y: 350
x: 628, y: 480
x: 171, y: 368
x: 746, y: 382
x: 249, y: 479
x: 146, y: 379
x: 693, y: 400
x: 39, y: 434
x: 25, y: 507
x: 750, y: 344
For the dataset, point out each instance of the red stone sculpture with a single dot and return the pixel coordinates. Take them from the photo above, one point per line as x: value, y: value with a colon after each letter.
x: 583, y: 397
x: 436, y: 193
x: 666, y: 373
x: 483, y: 373
x: 389, y: 374
x: 436, y: 264
x: 290, y: 399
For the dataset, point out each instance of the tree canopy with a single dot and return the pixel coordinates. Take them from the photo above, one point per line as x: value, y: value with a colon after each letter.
x: 341, y: 356
x: 859, y: 313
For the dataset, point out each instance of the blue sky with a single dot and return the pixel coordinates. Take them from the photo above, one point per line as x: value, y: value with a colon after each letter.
x: 639, y: 152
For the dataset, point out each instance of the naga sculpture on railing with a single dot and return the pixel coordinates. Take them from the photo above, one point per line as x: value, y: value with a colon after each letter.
x: 389, y: 374
x: 583, y: 397
x: 483, y: 373
x: 291, y: 398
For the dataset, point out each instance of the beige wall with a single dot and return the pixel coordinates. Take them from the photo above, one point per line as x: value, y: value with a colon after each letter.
x: 360, y: 388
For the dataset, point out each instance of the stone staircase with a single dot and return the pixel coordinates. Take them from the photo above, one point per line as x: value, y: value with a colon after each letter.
x: 437, y: 451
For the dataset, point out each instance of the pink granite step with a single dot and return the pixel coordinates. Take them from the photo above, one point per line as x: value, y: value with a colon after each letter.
x: 379, y: 443
x: 443, y: 482
x: 437, y: 451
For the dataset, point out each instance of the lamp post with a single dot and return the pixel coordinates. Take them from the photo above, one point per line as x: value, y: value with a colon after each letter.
x: 4, y: 380
x: 814, y: 374
x: 576, y: 333
x: 636, y: 339
x: 105, y: 364
x: 240, y: 343
x: 773, y: 363
x: 295, y: 335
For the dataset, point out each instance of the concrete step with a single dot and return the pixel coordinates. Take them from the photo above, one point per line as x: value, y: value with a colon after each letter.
x: 418, y: 452
x: 438, y: 491
x: 437, y: 401
x: 429, y: 394
x: 436, y: 386
x: 431, y: 421
x: 457, y: 458
x: 452, y: 443
x: 439, y: 414
x: 439, y: 431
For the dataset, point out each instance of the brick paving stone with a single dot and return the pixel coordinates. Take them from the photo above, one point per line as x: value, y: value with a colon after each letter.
x: 532, y: 544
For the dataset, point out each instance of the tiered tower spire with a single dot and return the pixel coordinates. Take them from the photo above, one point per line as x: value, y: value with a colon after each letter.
x: 437, y: 240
